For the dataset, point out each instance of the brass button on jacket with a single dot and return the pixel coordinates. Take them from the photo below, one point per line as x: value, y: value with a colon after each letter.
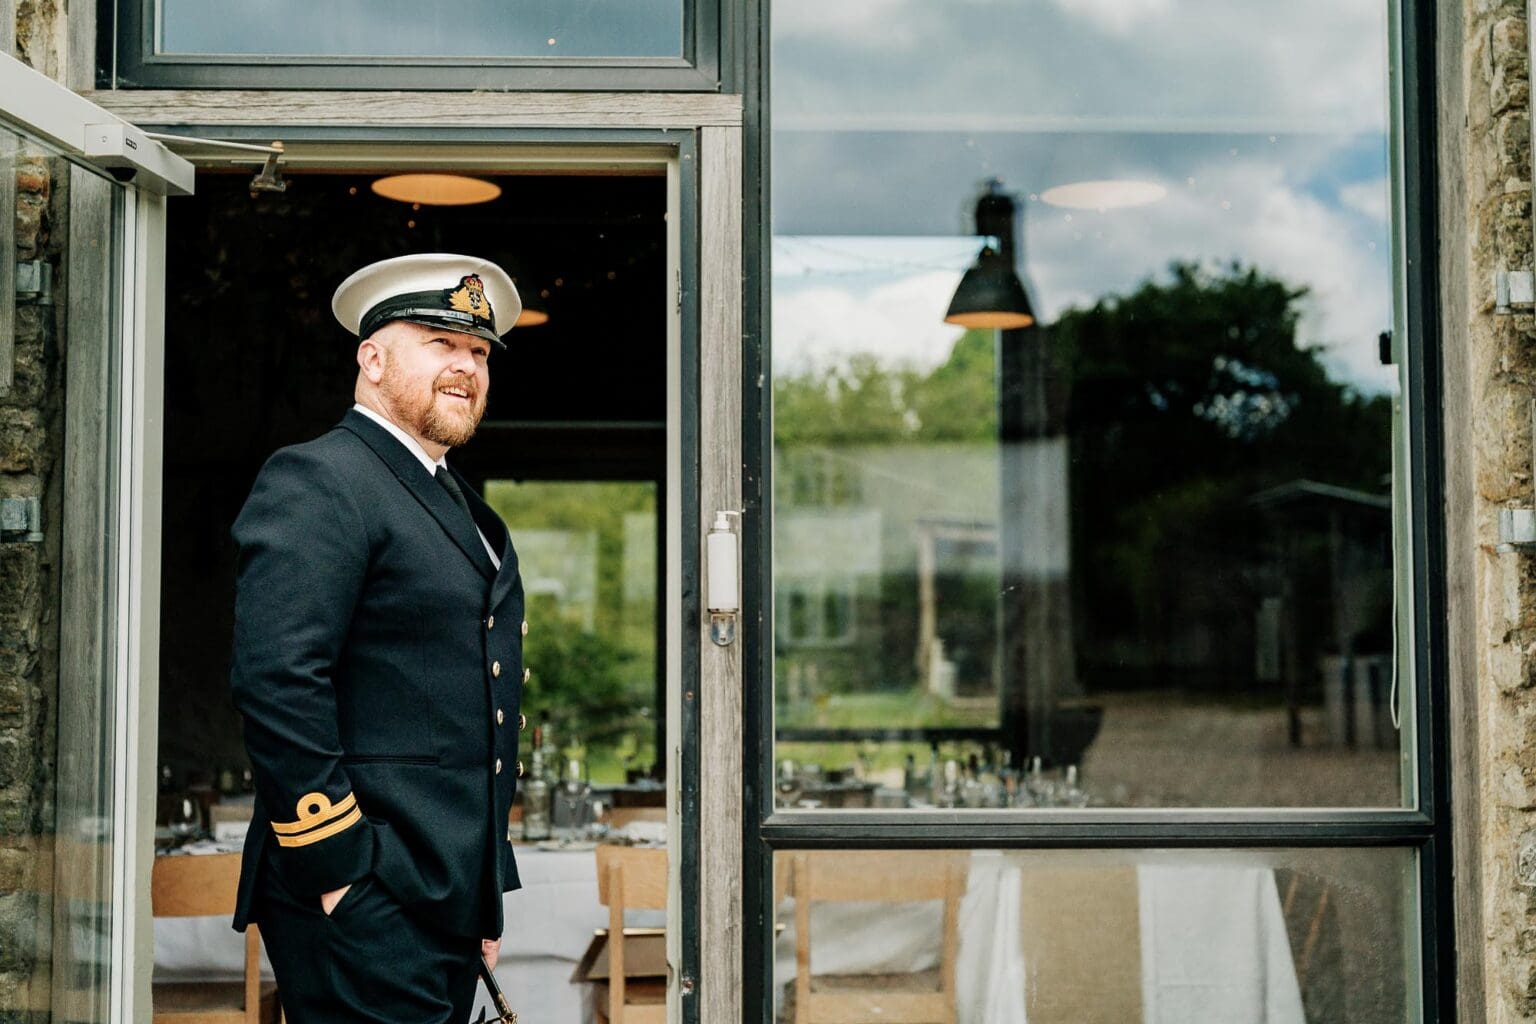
x: 522, y: 722
x: 527, y: 674
x: 525, y: 627
x: 498, y: 766
x: 496, y: 669
x: 490, y: 623
x: 500, y: 717
x: 519, y: 769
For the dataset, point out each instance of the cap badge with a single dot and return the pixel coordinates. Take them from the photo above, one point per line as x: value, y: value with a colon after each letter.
x: 469, y: 297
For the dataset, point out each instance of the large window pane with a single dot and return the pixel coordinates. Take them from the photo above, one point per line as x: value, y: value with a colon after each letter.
x: 423, y: 28
x: 994, y: 937
x: 1148, y: 539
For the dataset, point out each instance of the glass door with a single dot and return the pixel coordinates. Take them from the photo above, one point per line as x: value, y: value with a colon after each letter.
x: 81, y: 214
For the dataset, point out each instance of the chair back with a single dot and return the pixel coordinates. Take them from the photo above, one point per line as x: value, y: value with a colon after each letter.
x: 195, y: 886
x: 204, y: 886
x: 629, y: 876
x: 632, y: 876
x: 881, y: 877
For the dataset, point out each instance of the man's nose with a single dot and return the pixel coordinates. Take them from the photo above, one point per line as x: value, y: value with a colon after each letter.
x: 463, y: 361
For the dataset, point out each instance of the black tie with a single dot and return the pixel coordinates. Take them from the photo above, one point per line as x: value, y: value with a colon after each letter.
x: 452, y: 487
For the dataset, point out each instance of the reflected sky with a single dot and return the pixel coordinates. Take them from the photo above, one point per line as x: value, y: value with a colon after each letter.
x: 426, y: 28
x: 1266, y: 124
x: 1198, y: 63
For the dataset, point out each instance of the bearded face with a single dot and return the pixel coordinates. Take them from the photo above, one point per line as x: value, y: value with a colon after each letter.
x: 435, y: 389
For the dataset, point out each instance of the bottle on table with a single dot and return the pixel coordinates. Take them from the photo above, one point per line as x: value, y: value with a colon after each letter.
x: 536, y: 797
x: 544, y: 741
x: 571, y: 813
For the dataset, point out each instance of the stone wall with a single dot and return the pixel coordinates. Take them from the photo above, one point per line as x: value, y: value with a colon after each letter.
x: 1491, y: 383
x: 31, y: 446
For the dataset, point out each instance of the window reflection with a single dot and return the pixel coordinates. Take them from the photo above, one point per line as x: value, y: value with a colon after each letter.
x: 1148, y: 542
x: 994, y: 937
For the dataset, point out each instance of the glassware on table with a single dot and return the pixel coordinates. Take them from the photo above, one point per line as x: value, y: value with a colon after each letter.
x: 1041, y: 788
x: 597, y: 824
x: 186, y: 819
x: 1072, y: 793
x: 571, y: 813
x: 947, y: 785
x: 536, y: 801
x: 788, y: 787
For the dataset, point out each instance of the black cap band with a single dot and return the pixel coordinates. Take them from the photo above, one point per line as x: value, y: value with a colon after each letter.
x: 430, y: 309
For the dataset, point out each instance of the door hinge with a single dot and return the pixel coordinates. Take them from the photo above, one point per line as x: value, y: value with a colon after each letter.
x: 34, y: 282
x: 1517, y: 525
x: 21, y: 518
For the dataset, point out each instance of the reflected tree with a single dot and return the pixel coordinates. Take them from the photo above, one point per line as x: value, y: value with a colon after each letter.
x: 1190, y: 396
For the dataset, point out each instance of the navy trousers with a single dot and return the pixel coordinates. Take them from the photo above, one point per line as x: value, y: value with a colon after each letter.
x: 366, y: 961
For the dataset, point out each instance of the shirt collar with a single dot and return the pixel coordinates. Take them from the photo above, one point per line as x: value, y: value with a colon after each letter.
x: 411, y: 444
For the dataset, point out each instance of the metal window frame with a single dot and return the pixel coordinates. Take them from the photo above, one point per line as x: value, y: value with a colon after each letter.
x: 126, y: 58
x: 1425, y: 830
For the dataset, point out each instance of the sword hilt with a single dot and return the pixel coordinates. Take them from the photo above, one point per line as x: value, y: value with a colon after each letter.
x: 504, y: 1011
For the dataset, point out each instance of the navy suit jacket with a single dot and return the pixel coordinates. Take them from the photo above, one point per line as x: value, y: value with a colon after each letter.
x: 378, y: 664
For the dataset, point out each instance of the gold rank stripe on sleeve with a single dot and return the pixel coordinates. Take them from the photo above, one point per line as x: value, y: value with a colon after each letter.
x: 318, y: 819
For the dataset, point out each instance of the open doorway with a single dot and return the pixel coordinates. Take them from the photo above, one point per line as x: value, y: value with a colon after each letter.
x: 575, y: 453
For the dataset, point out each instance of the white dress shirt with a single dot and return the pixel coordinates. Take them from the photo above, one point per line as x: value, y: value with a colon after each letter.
x: 415, y: 448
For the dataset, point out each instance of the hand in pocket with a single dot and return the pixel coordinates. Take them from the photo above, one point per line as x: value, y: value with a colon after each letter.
x: 328, y: 900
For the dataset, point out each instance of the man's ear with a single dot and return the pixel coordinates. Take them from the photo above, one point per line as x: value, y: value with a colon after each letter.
x: 371, y: 356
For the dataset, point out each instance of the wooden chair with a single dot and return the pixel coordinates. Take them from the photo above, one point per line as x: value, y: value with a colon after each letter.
x: 885, y: 877
x: 200, y: 886
x: 630, y: 877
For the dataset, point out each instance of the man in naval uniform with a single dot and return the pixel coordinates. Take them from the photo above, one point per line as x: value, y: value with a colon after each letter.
x: 378, y: 666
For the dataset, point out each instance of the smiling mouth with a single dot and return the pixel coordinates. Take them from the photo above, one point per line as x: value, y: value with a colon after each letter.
x: 461, y: 393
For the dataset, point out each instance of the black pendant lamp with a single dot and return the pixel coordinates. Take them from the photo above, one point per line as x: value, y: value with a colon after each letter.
x: 990, y: 294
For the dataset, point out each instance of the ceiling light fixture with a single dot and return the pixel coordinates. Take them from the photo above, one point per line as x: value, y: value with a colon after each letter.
x: 531, y: 317
x: 436, y: 189
x: 1110, y: 194
x: 990, y: 295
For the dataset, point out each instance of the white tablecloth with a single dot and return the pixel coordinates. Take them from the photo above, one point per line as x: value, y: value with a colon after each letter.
x: 549, y: 923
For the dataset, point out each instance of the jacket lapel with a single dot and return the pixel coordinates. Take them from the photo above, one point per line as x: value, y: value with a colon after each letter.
x: 496, y: 533
x: 411, y: 473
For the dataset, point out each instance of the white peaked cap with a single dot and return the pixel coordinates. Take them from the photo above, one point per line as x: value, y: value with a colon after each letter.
x: 438, y: 289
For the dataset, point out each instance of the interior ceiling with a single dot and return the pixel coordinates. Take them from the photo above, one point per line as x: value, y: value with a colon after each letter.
x: 254, y: 359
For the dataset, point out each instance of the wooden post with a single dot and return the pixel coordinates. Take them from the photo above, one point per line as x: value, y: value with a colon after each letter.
x: 720, y: 881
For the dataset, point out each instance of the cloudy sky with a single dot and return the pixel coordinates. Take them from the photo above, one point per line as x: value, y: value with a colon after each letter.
x: 1266, y: 124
